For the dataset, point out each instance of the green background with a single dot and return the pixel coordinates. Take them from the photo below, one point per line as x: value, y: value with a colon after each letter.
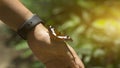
x: 94, y: 26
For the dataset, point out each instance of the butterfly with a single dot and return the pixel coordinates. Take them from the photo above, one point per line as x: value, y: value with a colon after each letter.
x: 57, y: 35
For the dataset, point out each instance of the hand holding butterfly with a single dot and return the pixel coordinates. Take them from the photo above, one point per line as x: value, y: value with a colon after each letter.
x: 52, y: 51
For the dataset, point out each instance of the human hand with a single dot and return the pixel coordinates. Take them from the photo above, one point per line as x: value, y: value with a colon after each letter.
x: 52, y: 51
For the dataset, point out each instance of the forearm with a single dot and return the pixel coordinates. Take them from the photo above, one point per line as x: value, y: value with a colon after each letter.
x: 13, y: 13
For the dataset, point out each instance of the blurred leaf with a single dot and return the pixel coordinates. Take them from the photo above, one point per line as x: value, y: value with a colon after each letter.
x: 99, y: 24
x: 21, y: 45
x: 99, y: 53
x: 37, y: 64
x: 71, y: 23
x: 86, y: 49
x: 87, y: 59
x: 26, y: 54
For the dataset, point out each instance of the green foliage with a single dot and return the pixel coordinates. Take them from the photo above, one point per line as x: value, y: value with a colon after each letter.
x: 37, y: 64
x: 93, y: 25
x: 22, y: 45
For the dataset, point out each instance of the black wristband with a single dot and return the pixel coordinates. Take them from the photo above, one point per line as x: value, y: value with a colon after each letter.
x: 28, y: 26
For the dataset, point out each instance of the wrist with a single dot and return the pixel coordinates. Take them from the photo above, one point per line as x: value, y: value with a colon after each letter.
x: 39, y: 33
x: 28, y: 25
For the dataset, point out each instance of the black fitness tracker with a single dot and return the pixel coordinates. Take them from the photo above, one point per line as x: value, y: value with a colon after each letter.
x: 28, y: 26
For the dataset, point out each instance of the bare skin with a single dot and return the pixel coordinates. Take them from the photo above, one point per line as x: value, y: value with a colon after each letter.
x: 54, y: 53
